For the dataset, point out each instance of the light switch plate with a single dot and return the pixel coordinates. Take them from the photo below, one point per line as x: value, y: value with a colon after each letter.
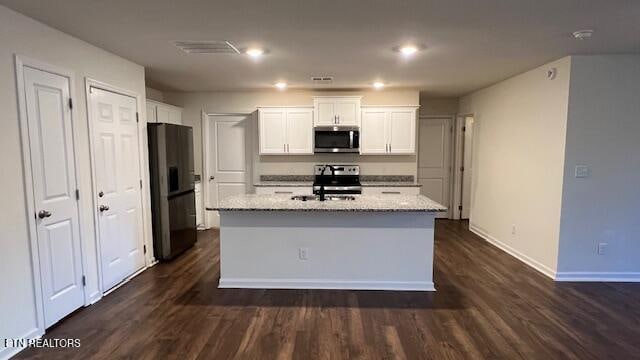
x: 582, y: 171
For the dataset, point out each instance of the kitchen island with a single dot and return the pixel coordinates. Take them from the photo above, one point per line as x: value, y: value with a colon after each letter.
x: 367, y: 242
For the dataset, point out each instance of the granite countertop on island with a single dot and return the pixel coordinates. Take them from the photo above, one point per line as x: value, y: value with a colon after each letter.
x: 362, y: 203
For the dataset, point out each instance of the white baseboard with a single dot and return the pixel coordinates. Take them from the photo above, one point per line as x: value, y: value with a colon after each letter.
x: 598, y: 276
x: 8, y: 352
x: 326, y: 284
x: 545, y: 270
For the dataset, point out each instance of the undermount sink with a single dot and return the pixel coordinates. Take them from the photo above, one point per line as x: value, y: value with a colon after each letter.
x: 326, y: 197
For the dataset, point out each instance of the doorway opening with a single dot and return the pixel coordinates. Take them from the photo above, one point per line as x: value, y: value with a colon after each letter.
x: 465, y: 129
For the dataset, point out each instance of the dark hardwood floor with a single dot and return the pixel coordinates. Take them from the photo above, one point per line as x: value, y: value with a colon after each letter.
x: 488, y: 305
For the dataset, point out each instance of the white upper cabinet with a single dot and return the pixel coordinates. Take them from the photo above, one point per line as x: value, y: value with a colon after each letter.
x: 336, y: 110
x: 151, y: 112
x: 388, y: 130
x: 163, y: 113
x: 373, y: 131
x: 285, y: 131
x: 300, y: 131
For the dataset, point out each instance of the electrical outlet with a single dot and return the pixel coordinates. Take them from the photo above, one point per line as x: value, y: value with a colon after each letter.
x: 602, y: 248
x: 303, y: 253
x: 582, y: 171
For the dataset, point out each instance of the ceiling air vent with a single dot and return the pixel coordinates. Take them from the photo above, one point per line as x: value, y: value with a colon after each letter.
x: 322, y: 80
x: 206, y: 47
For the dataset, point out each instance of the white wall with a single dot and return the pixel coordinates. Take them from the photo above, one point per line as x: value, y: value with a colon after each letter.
x: 436, y: 106
x: 519, y: 162
x: 604, y: 133
x: 24, y: 36
x: 153, y: 94
x: 248, y: 101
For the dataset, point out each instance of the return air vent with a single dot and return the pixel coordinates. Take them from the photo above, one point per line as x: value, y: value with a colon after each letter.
x: 322, y: 80
x: 206, y: 47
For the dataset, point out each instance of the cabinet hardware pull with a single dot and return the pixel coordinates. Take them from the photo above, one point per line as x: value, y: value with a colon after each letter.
x: 392, y: 192
x: 283, y: 192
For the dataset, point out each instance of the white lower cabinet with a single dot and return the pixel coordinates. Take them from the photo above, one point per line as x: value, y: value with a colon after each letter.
x: 389, y: 190
x: 285, y: 131
x: 290, y: 190
x: 388, y: 130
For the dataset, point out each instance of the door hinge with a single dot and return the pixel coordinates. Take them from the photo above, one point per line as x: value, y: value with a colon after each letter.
x: 460, y: 207
x: 144, y: 249
x: 84, y: 281
x: 464, y: 128
x: 140, y: 183
x: 70, y: 103
x: 77, y: 194
x: 462, y: 168
x: 137, y: 117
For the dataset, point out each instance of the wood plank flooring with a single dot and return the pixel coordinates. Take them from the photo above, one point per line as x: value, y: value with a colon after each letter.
x: 488, y: 305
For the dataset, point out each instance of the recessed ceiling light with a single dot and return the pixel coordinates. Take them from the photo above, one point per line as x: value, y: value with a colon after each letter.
x: 281, y: 85
x: 583, y: 34
x: 408, y: 50
x: 378, y: 85
x: 255, y: 52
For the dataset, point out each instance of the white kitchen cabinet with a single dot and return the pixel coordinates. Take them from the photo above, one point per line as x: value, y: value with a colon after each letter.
x: 158, y: 112
x: 391, y: 190
x: 388, y: 130
x: 151, y: 112
x: 285, y: 190
x: 285, y: 131
x: 336, y: 110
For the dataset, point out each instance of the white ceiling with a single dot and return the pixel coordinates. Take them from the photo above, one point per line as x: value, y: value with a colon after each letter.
x: 470, y: 43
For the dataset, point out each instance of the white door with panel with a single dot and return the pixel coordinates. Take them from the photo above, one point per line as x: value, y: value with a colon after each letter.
x: 54, y: 188
x: 118, y: 182
x: 434, y: 160
x: 229, y: 159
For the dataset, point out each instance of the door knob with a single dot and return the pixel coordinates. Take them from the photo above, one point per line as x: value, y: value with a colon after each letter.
x: 211, y: 177
x: 101, y: 194
x: 103, y: 208
x: 44, y: 214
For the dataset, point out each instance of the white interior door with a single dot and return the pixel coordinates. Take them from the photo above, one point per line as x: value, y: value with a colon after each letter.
x: 228, y: 159
x: 54, y: 188
x: 434, y: 160
x: 468, y: 167
x: 117, y: 183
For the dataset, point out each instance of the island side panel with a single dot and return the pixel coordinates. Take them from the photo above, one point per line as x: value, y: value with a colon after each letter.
x: 345, y: 250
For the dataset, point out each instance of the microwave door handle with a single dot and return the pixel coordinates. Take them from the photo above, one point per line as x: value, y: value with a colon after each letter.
x: 351, y: 139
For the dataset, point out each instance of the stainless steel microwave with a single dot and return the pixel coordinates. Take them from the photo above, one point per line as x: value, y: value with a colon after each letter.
x: 334, y: 139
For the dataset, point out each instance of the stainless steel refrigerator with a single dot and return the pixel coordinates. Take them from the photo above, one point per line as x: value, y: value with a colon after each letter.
x: 173, y: 203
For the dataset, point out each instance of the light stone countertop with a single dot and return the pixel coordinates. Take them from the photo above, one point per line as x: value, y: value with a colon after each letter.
x: 310, y: 183
x: 363, y: 203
